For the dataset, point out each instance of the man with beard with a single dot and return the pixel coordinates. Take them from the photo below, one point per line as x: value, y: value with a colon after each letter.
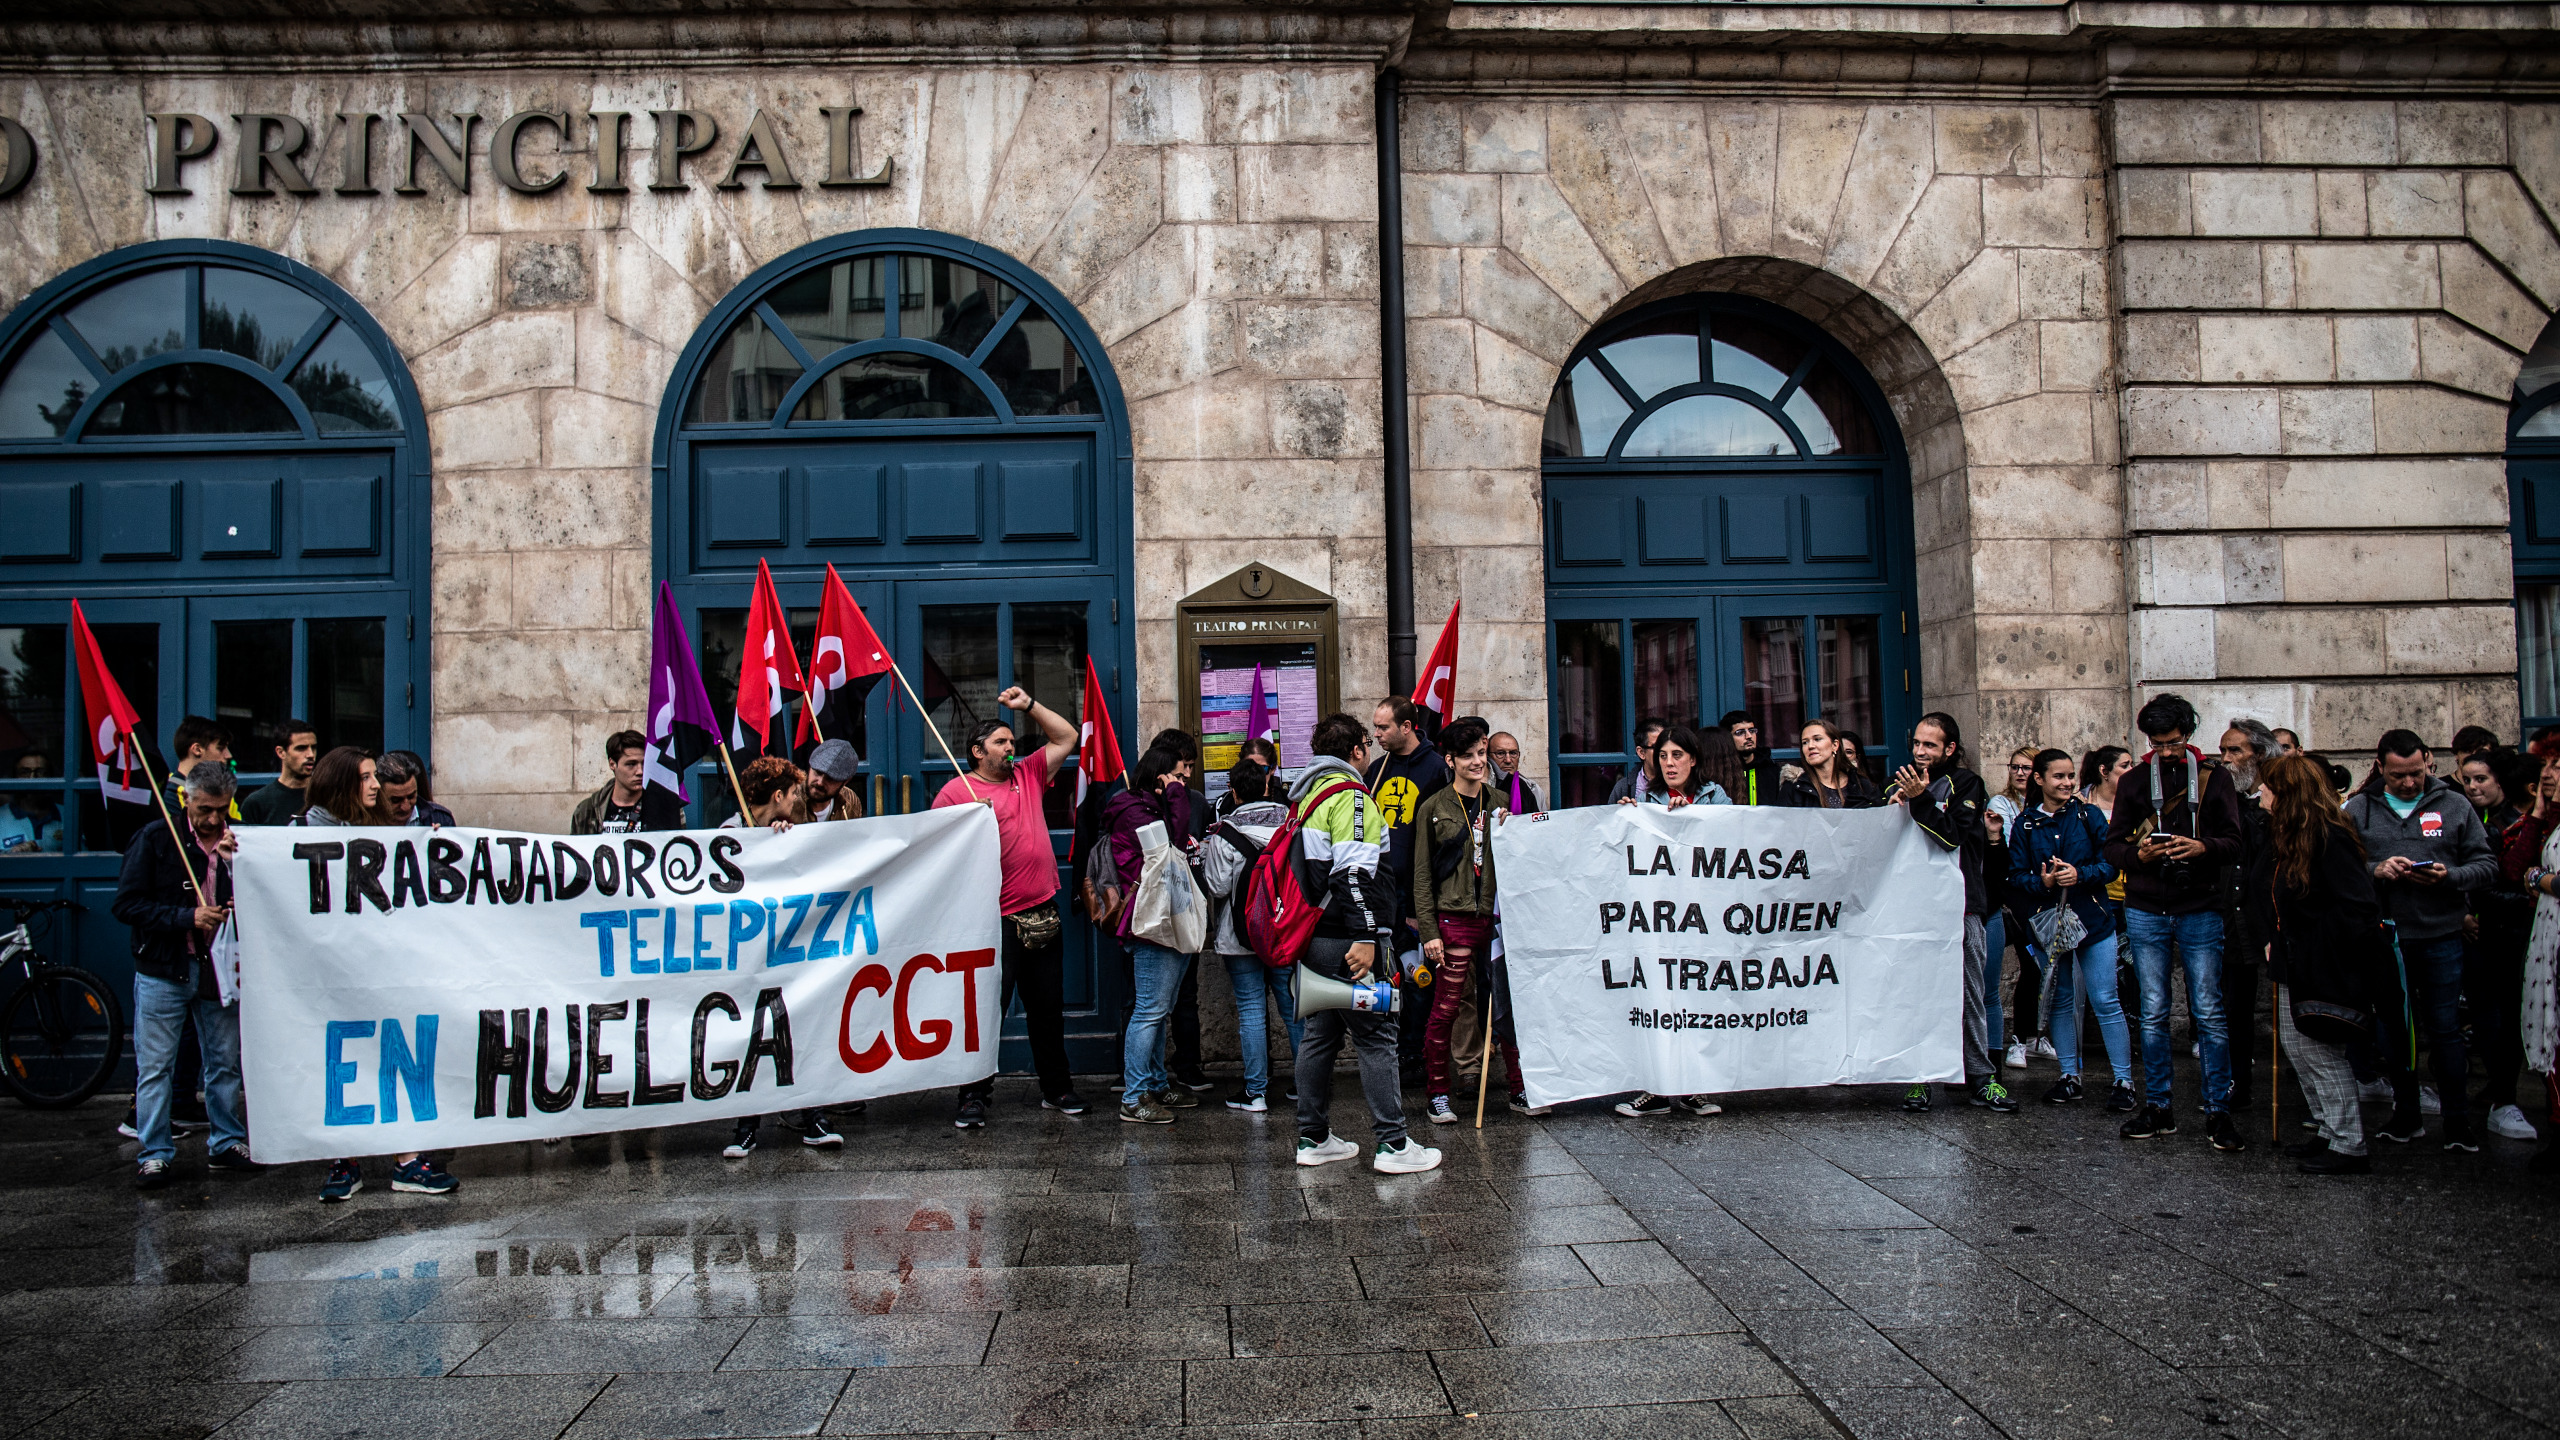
x: 1014, y: 787
x: 175, y: 900
x: 1759, y: 773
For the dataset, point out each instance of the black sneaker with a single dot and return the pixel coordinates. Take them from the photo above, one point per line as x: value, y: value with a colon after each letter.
x: 2225, y: 1135
x: 233, y: 1157
x: 2149, y: 1121
x: 342, y: 1182
x: 1249, y: 1102
x: 1916, y: 1099
x: 2065, y: 1091
x: 2458, y: 1136
x: 2330, y: 1162
x: 972, y: 1114
x: 1520, y: 1103
x: 2120, y: 1099
x: 742, y: 1143
x: 816, y: 1133
x: 1065, y: 1102
x: 1195, y: 1083
x: 151, y: 1175
x: 1992, y: 1095
x: 2403, y: 1127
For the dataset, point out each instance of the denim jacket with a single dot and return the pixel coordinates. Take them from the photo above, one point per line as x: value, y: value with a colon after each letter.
x: 2077, y: 836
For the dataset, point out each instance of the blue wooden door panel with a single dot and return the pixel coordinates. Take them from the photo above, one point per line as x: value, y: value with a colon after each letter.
x: 895, y: 501
x: 87, y: 521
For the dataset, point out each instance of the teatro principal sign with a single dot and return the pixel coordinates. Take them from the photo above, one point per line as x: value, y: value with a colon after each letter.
x: 531, y: 151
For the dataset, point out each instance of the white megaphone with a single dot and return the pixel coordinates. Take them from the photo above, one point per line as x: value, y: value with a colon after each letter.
x: 1323, y: 992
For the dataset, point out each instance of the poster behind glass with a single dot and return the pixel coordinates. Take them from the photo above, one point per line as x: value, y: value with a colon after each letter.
x: 1226, y: 701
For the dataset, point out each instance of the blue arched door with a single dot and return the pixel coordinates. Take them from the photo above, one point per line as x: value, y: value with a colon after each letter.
x: 935, y: 421
x: 221, y: 456
x: 1728, y: 528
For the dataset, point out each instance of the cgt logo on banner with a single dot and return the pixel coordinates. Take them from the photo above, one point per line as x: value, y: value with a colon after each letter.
x: 415, y: 990
x: 1719, y: 948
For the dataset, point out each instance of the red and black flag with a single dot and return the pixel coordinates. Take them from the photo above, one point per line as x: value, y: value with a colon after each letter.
x: 768, y: 671
x: 845, y: 661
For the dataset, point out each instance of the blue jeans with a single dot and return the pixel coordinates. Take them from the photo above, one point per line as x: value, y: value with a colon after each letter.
x: 2435, y: 1000
x: 1253, y: 980
x: 159, y: 1012
x: 1995, y: 945
x: 2195, y: 940
x: 2095, y: 973
x: 1158, y: 974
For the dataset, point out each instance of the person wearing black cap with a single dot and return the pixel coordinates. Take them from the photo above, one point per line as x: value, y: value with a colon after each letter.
x: 834, y: 775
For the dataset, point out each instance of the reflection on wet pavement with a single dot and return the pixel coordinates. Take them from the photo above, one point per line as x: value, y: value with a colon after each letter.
x: 1800, y: 1266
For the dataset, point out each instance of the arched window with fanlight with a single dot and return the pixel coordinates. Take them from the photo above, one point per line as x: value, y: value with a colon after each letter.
x: 2533, y: 521
x: 1728, y: 528
x: 934, y: 420
x: 220, y: 455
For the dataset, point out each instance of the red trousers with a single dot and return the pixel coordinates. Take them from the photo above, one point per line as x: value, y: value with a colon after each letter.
x: 1473, y: 934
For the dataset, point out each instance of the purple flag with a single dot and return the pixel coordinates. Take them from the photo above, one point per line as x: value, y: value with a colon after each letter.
x: 682, y: 725
x: 1258, y: 722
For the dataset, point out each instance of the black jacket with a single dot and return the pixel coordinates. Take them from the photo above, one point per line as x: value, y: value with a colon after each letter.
x: 155, y: 901
x: 1760, y: 783
x: 1951, y: 811
x: 1800, y: 794
x: 2174, y: 887
x: 2322, y: 933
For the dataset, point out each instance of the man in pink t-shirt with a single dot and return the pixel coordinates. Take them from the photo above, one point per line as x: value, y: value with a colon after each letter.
x: 1014, y: 788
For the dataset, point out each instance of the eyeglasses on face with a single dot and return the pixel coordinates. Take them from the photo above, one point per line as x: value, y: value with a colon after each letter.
x: 2022, y: 765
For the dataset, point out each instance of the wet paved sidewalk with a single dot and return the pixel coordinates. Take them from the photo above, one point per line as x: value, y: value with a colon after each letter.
x: 1799, y: 1266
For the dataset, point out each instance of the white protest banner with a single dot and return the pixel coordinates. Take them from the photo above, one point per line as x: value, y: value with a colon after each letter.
x: 1722, y: 947
x: 404, y: 990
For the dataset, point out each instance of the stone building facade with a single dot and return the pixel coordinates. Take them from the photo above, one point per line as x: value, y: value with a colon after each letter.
x: 2199, y: 326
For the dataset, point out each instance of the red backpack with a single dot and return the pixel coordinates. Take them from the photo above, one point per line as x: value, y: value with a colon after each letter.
x: 1281, y: 906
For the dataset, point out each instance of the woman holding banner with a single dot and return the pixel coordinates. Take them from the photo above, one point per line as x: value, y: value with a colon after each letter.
x: 344, y: 791
x: 1680, y: 753
x: 2058, y: 863
x: 1830, y: 779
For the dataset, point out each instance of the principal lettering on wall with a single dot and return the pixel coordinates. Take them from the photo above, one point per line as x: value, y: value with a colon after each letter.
x: 354, y: 152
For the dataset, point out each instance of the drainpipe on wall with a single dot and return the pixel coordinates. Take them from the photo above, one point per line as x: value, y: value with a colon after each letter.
x: 1391, y: 389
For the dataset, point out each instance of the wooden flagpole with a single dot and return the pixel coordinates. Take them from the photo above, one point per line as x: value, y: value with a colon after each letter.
x: 927, y: 716
x: 143, y: 759
x: 746, y: 816
x: 1484, y: 1064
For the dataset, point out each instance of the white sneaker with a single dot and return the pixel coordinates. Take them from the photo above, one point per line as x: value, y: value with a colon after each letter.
x: 2508, y: 1123
x: 1404, y: 1161
x: 2429, y: 1102
x: 1334, y: 1148
x: 2041, y: 1047
x: 2016, y: 1059
x: 2375, y: 1091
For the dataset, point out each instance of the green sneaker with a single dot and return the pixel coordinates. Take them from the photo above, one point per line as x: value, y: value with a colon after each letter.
x: 1992, y: 1095
x: 1916, y: 1099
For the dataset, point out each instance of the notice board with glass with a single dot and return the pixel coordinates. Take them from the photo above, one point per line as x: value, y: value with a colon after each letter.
x: 1256, y: 622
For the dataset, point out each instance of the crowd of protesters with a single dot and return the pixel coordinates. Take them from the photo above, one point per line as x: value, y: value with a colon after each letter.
x: 2416, y: 911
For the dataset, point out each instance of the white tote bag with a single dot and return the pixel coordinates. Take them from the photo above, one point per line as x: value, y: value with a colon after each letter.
x: 1167, y: 910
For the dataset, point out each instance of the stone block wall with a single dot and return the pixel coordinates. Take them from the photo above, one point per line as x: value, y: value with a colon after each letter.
x: 1958, y: 250
x: 1216, y: 224
x: 2325, y: 304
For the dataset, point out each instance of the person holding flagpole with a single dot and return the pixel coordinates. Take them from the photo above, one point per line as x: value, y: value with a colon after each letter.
x: 1013, y: 787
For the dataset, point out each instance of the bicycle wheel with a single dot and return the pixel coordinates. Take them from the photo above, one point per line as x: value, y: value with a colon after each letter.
x: 60, y: 1037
